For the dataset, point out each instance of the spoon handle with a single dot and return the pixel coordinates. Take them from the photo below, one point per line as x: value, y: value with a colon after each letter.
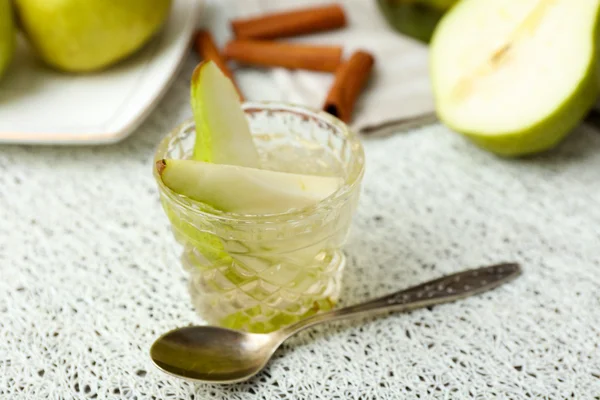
x: 442, y: 290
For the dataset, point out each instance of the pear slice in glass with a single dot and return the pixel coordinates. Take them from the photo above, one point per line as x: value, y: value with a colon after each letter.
x: 222, y: 132
x: 242, y: 190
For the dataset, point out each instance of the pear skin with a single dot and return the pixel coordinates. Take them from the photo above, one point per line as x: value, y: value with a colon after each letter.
x: 90, y: 35
x: 7, y: 35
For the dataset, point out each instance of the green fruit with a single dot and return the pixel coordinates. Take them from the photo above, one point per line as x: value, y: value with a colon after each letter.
x: 222, y: 132
x: 88, y: 35
x: 515, y: 76
x: 7, y: 35
x: 243, y: 190
x: 415, y: 18
x: 209, y: 246
x: 222, y: 136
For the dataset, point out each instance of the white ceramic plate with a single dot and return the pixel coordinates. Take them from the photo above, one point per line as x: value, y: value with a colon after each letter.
x: 41, y: 106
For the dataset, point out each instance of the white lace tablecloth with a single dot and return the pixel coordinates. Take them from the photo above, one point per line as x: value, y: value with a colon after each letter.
x: 89, y: 277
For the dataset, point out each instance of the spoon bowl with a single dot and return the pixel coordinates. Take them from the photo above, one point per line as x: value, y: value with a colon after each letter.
x: 213, y: 354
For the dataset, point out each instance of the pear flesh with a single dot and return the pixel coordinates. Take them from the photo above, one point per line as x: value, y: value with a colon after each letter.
x: 515, y: 76
x: 88, y: 35
x: 7, y: 35
x: 222, y: 132
x: 225, y: 171
x: 243, y: 190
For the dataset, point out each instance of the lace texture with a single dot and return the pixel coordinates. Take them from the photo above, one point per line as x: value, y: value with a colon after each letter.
x: 89, y: 274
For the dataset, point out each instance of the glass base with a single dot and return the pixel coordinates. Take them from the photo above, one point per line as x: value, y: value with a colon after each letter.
x: 240, y: 296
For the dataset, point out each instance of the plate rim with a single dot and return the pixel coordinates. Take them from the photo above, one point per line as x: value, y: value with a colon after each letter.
x: 117, y: 135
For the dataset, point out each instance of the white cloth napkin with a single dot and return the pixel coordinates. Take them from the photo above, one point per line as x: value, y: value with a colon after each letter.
x: 398, y: 93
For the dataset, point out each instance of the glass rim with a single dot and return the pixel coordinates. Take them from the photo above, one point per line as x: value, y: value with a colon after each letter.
x: 339, y: 196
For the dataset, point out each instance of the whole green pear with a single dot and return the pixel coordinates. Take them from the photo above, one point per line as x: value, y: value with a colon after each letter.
x: 415, y: 18
x: 7, y: 35
x: 89, y: 35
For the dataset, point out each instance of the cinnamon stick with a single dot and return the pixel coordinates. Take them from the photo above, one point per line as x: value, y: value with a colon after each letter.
x: 290, y: 23
x: 287, y: 55
x: 207, y: 50
x: 349, y: 81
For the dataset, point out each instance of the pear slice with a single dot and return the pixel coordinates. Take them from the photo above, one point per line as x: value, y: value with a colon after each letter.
x: 515, y: 75
x: 222, y: 132
x: 245, y: 190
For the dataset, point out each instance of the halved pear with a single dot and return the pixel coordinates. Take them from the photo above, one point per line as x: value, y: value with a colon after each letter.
x: 222, y: 132
x: 244, y: 190
x: 516, y: 76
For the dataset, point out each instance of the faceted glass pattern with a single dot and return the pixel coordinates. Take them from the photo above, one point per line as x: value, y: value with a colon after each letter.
x: 259, y: 273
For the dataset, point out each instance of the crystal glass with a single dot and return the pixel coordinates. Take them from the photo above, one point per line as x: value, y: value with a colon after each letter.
x: 260, y: 272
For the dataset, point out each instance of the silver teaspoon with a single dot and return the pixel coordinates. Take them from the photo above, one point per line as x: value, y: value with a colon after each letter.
x: 220, y: 355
